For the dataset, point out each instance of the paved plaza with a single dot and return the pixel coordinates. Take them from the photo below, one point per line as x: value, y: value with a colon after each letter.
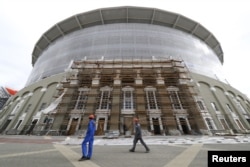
x: 165, y: 151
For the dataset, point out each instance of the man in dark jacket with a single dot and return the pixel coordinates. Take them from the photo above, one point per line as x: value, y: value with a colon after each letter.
x: 138, y: 136
x: 88, y: 140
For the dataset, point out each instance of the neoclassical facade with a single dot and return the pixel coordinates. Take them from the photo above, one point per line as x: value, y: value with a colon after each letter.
x: 124, y: 62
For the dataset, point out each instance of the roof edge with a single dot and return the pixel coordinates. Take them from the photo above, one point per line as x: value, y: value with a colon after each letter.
x: 126, y: 14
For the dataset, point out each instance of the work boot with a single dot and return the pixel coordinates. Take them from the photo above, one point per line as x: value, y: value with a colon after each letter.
x: 82, y: 158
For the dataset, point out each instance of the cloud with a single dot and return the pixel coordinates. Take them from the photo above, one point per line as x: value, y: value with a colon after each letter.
x: 23, y: 23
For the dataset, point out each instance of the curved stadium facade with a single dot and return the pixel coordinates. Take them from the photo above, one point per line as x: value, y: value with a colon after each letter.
x: 125, y: 62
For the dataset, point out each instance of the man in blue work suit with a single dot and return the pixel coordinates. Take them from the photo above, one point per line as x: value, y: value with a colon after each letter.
x: 87, y: 144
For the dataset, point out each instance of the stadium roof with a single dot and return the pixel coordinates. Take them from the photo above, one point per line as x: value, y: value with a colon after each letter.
x: 126, y: 14
x: 11, y: 91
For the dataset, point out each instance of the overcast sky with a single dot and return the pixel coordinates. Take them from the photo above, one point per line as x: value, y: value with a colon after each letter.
x: 22, y: 22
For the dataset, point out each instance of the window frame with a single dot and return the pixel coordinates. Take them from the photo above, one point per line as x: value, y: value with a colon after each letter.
x: 82, y: 98
x: 175, y: 98
x: 151, y: 98
x: 128, y: 101
x: 105, y: 97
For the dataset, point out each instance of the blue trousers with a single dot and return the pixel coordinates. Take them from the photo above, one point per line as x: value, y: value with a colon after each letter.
x: 87, y: 147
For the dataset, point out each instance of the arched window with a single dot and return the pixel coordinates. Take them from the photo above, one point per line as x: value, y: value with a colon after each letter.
x: 43, y: 106
x: 240, y: 107
x: 28, y: 108
x: 229, y: 108
x: 17, y: 108
x: 214, y: 106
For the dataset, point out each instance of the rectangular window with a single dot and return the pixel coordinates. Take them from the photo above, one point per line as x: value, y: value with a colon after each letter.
x: 174, y: 97
x: 104, y: 100
x: 224, y: 124
x: 127, y: 100
x: 209, y: 123
x: 48, y: 120
x: 239, y: 124
x: 151, y: 100
x: 81, y: 100
x: 200, y: 104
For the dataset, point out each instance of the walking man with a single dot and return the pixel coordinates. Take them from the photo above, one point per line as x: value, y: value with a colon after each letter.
x: 87, y: 144
x: 138, y: 136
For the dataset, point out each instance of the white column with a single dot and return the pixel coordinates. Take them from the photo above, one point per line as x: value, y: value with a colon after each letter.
x: 160, y: 123
x: 70, y: 121
x: 96, y: 123
x: 78, y: 123
x: 178, y: 123
x: 151, y: 123
x: 189, y: 127
x: 105, y: 123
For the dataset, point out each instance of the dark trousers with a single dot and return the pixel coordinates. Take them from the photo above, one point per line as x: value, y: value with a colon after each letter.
x: 142, y: 142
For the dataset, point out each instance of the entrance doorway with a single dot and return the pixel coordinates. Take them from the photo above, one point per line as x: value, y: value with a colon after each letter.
x: 128, y: 125
x: 184, y: 126
x: 73, y: 125
x: 157, y: 129
x: 100, y: 127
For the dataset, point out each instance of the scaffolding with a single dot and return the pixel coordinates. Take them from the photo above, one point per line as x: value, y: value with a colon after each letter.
x: 138, y: 74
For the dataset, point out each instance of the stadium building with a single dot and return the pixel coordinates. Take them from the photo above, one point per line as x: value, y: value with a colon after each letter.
x: 124, y: 62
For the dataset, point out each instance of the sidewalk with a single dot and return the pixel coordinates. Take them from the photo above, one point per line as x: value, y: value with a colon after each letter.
x: 165, y: 151
x: 163, y: 140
